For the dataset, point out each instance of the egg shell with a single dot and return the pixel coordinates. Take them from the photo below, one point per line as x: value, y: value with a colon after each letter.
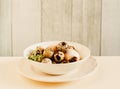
x: 70, y: 53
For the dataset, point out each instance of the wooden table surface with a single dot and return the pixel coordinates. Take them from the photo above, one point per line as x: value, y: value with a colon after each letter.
x: 107, y: 76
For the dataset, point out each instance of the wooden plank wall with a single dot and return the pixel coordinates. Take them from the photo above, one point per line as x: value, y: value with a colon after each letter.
x: 111, y: 27
x: 26, y: 24
x: 5, y: 28
x: 86, y: 24
x: 56, y: 20
x: 83, y: 21
x: 34, y: 21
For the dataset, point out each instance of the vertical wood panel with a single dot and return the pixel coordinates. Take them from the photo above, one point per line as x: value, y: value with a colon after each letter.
x: 77, y: 21
x: 111, y: 27
x: 5, y: 27
x: 93, y: 26
x: 56, y: 20
x: 26, y: 16
x: 86, y: 25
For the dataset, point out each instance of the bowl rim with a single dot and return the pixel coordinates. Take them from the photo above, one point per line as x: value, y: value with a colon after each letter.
x: 80, y: 61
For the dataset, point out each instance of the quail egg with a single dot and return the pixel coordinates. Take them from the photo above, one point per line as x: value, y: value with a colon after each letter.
x: 47, y: 60
x: 71, y: 53
x: 48, y: 52
x: 59, y: 56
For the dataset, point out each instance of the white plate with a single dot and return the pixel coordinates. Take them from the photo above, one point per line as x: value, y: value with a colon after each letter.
x: 86, y: 69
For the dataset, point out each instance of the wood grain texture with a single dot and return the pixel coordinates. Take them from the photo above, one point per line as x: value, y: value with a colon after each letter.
x: 56, y: 20
x: 111, y: 27
x: 86, y: 24
x: 26, y: 24
x: 45, y: 20
x: 5, y: 28
x: 93, y: 15
x: 77, y: 21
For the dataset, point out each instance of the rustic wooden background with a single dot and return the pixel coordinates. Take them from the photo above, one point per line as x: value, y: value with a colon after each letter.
x: 94, y: 23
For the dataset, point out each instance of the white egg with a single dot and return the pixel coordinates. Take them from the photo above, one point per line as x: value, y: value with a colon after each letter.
x: 47, y: 60
x: 70, y: 53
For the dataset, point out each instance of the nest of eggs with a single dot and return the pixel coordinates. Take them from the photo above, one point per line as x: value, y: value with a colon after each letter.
x: 60, y: 53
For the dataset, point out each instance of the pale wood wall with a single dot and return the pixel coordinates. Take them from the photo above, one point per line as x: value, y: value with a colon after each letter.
x: 5, y: 28
x: 111, y: 27
x: 25, y: 22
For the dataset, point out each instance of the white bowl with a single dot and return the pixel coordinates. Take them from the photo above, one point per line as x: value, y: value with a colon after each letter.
x: 57, y: 69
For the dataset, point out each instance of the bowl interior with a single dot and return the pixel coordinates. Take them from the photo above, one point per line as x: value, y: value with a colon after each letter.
x: 82, y: 50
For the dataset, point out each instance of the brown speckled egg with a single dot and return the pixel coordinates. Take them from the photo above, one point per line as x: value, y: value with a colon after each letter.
x: 59, y: 56
x: 39, y: 50
x: 62, y: 46
x: 48, y: 52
